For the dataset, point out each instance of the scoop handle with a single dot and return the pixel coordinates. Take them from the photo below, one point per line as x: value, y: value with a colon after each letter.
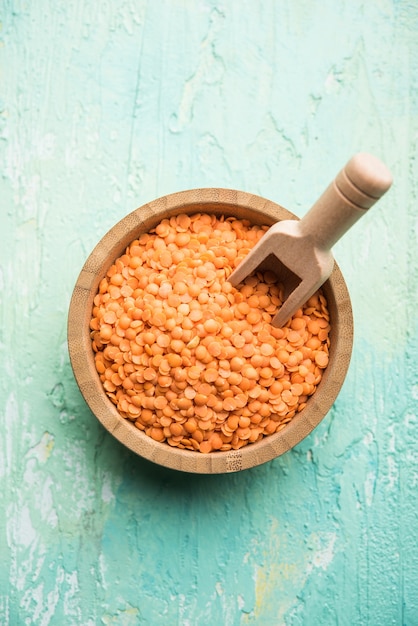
x: 356, y: 188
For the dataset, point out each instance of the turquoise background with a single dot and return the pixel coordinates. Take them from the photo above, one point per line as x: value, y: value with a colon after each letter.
x: 105, y: 106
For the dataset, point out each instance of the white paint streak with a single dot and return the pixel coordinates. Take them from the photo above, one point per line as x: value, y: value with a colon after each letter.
x: 11, y: 417
x: 324, y: 552
x: 71, y: 595
x: 240, y: 602
x: 25, y: 533
x: 46, y: 504
x: 107, y: 493
x: 369, y: 487
x: 182, y: 607
x: 74, y: 462
x: 332, y: 82
x: 368, y: 438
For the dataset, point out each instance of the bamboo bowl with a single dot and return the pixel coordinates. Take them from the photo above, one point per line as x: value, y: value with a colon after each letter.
x: 220, y: 202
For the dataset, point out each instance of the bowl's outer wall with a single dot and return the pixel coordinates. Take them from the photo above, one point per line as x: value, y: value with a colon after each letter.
x: 217, y: 201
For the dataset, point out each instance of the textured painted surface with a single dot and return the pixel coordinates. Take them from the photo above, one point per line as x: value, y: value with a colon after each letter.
x: 103, y: 107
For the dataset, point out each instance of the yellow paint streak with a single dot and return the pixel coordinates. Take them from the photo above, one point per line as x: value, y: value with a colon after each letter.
x: 125, y: 617
x: 43, y: 449
x: 286, y: 566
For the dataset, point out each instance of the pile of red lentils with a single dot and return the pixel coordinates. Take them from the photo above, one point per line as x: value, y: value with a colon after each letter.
x: 191, y: 360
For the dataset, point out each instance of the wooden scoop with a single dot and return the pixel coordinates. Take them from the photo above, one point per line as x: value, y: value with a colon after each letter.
x: 298, y: 252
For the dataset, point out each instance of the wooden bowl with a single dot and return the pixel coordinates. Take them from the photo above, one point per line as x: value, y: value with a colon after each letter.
x: 220, y: 202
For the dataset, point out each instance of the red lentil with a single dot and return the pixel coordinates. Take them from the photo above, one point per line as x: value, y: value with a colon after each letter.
x: 191, y: 360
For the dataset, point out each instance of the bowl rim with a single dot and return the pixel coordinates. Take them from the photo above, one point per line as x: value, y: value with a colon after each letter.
x: 218, y: 201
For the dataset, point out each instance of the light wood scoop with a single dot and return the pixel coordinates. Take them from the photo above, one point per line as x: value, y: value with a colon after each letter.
x: 298, y: 251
